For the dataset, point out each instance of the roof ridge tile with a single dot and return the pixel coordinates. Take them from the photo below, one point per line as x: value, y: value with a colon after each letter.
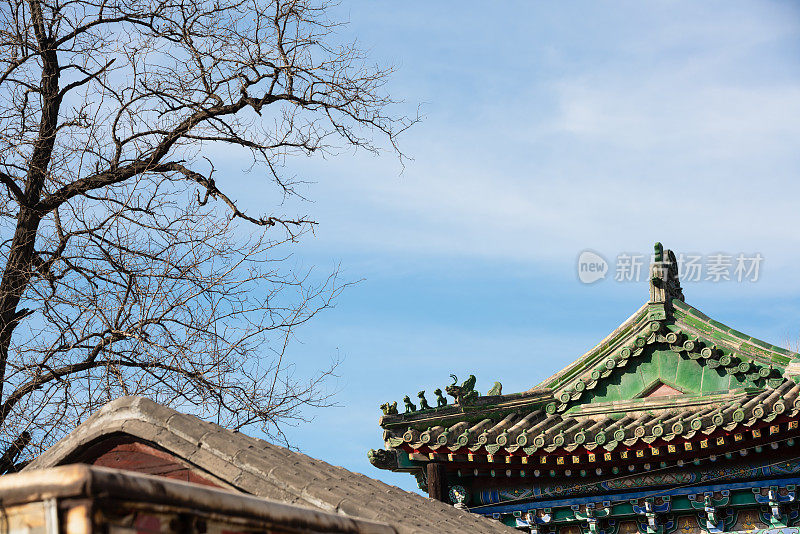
x: 265, y: 469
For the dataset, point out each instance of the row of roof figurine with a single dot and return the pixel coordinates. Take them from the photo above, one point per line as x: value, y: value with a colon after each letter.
x: 462, y: 394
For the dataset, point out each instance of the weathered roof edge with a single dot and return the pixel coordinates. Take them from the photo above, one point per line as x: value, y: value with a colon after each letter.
x: 123, y: 415
x: 266, y: 470
x: 76, y: 481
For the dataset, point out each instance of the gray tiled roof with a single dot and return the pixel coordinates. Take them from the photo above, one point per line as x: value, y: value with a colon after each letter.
x: 260, y: 468
x: 113, y: 490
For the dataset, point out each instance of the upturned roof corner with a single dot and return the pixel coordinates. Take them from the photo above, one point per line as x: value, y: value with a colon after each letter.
x: 665, y: 347
x: 792, y: 370
x: 667, y: 389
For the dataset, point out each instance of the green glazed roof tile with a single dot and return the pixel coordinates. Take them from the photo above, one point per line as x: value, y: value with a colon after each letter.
x: 727, y: 379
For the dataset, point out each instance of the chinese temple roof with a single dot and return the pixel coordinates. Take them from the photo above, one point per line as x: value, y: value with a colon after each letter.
x: 667, y: 378
x: 644, y: 421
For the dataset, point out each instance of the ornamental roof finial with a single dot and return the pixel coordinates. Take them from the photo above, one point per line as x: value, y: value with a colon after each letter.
x: 664, y: 282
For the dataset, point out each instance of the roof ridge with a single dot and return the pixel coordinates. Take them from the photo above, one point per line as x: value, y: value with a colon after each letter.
x: 619, y: 332
x: 288, y: 476
x: 696, y: 313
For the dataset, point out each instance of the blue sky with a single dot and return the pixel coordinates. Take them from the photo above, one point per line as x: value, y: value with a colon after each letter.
x: 549, y: 128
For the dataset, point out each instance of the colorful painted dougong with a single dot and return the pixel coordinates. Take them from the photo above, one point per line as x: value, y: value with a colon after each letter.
x: 673, y: 423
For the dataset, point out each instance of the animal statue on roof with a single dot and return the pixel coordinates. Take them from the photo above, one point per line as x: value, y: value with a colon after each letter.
x: 465, y: 393
x: 440, y: 400
x: 664, y: 280
x: 389, y: 409
x: 497, y: 389
x: 409, y: 406
x: 423, y: 402
x: 382, y: 459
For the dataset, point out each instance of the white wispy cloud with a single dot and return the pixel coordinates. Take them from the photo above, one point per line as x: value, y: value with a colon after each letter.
x: 684, y: 147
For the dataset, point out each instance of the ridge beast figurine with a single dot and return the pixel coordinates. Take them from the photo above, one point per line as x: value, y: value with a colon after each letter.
x: 423, y: 402
x: 389, y: 409
x: 465, y: 393
x: 409, y: 407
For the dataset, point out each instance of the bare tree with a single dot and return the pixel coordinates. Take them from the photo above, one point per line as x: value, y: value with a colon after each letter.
x: 129, y: 267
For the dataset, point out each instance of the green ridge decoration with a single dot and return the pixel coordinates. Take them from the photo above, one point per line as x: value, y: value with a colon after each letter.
x: 440, y: 400
x: 389, y: 409
x: 423, y: 403
x: 382, y: 459
x: 465, y: 393
x: 497, y: 389
x: 674, y: 422
x: 409, y: 406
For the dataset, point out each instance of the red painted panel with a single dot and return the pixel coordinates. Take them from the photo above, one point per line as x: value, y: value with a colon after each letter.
x: 663, y: 390
x: 146, y: 524
x: 124, y: 452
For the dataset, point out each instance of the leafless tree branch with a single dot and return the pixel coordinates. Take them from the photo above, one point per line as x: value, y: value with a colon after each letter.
x: 129, y: 266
